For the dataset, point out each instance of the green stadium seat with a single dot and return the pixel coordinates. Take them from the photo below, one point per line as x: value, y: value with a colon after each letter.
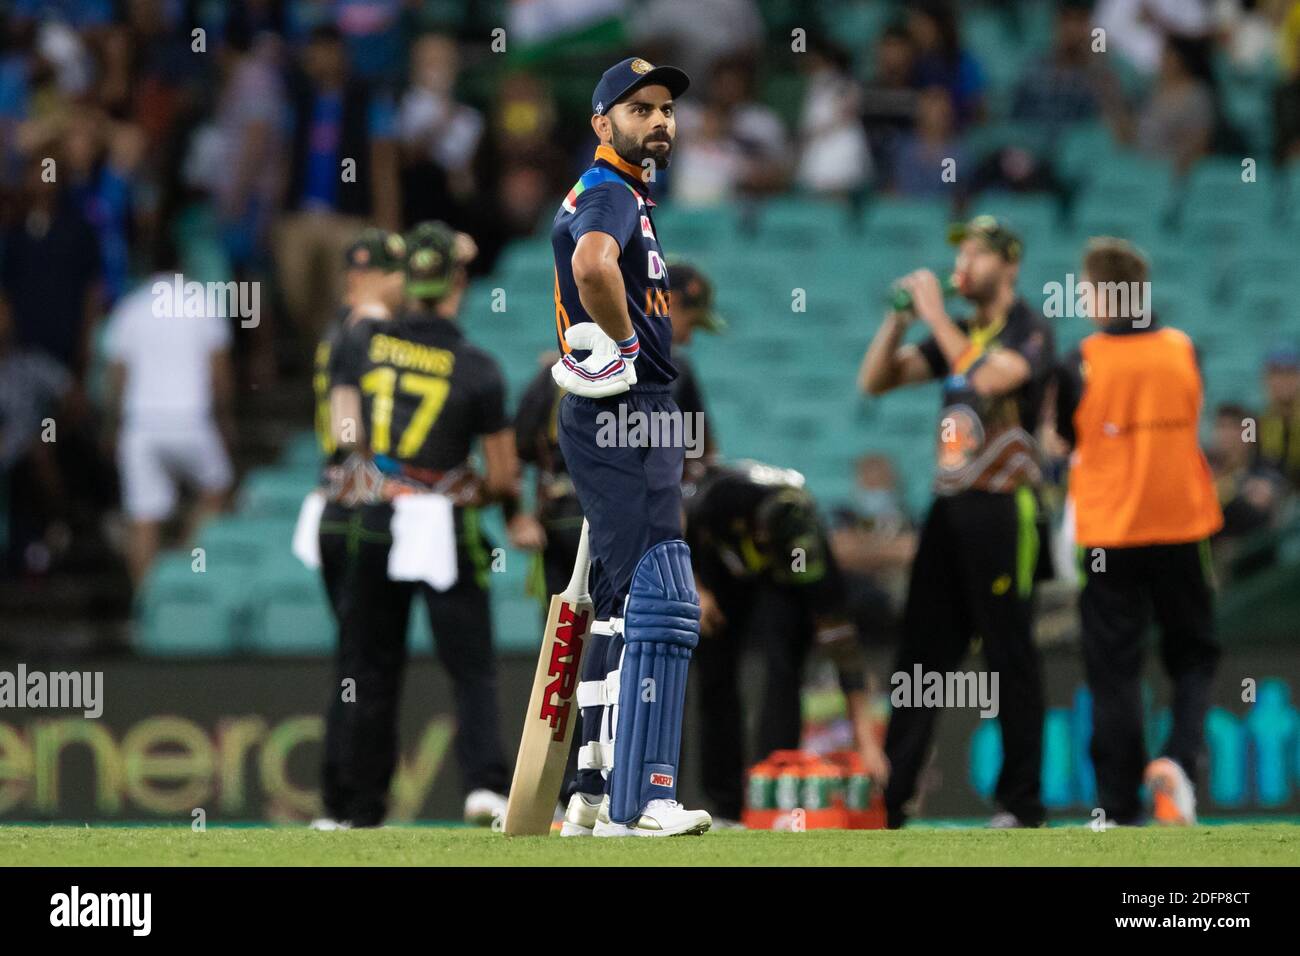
x: 1215, y: 185
x: 276, y: 492
x: 1035, y: 218
x: 857, y: 25
x: 1174, y: 264
x: 302, y: 451
x: 525, y: 258
x: 685, y: 228
x: 183, y: 612
x: 1126, y: 174
x: 903, y: 223
x: 1289, y: 188
x: 1272, y: 309
x: 1084, y: 148
x: 290, y: 611
x: 1101, y: 213
x: 983, y: 141
x: 233, y: 541
x: 1000, y: 54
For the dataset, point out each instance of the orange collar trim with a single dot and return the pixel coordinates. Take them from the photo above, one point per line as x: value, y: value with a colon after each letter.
x: 618, y: 162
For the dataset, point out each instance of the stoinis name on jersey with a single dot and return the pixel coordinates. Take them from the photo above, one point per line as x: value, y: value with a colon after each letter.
x: 390, y: 350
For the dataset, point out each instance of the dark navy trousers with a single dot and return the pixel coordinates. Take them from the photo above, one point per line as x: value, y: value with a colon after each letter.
x: 631, y: 496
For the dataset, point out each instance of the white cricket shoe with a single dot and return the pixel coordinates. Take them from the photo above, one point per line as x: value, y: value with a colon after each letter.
x: 604, y: 826
x: 1172, y: 793
x: 1006, y: 820
x: 1105, y: 823
x: 661, y: 818
x: 483, y: 806
x: 327, y: 823
x: 670, y: 818
x: 580, y: 816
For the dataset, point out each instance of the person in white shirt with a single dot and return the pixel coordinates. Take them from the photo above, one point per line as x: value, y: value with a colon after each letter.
x: 1137, y: 29
x: 732, y: 145
x: 430, y: 123
x: 834, y: 159
x: 170, y: 384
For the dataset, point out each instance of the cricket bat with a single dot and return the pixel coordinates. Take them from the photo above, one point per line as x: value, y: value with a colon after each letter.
x: 552, y: 706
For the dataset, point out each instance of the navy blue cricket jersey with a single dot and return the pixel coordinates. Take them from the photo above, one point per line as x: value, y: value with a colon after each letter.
x: 611, y: 198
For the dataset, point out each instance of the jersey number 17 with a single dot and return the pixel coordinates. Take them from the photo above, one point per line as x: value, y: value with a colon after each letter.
x: 382, y: 383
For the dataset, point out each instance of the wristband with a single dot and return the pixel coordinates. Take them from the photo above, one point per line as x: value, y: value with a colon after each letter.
x: 629, y: 348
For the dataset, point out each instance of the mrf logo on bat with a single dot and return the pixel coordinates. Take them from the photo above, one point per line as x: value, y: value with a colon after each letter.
x: 563, y: 670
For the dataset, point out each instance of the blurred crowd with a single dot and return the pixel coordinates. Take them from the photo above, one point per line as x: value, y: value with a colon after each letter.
x: 1255, y: 457
x: 244, y: 141
x: 884, y: 118
x: 252, y: 139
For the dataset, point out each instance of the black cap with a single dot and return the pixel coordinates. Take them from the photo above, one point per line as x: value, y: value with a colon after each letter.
x: 996, y: 234
x: 692, y: 289
x: 430, y: 259
x: 624, y: 77
x: 376, y: 249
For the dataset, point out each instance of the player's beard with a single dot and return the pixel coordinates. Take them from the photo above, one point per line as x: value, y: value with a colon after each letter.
x: 983, y: 291
x: 637, y: 151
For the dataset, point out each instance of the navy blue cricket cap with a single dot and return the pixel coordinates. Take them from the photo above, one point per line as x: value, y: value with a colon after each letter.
x: 624, y: 77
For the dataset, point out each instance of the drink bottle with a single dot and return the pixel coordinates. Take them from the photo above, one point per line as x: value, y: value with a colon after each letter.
x: 900, y: 300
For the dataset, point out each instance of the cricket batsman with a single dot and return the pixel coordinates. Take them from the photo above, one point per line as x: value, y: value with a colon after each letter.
x: 613, y: 322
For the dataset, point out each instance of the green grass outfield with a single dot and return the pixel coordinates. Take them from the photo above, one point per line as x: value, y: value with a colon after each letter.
x: 1265, y: 844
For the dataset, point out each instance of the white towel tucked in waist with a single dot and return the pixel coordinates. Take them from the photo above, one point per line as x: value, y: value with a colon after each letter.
x: 424, y: 541
x: 306, y: 540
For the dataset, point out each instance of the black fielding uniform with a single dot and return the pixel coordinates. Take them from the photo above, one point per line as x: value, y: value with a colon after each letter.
x: 427, y: 395
x: 743, y: 523
x: 321, y: 382
x: 322, y: 363
x: 976, y: 563
x: 537, y: 440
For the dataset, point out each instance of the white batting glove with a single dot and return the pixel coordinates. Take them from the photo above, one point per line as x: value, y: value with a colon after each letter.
x: 608, y: 370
